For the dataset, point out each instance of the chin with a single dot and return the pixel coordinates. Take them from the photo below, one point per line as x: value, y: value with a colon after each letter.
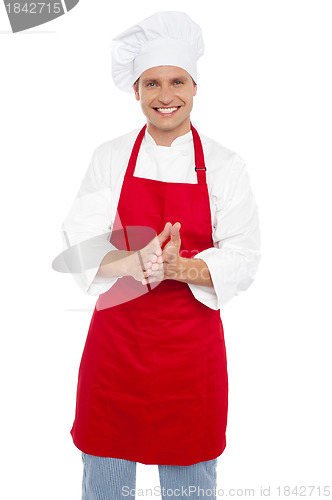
x: 167, y: 126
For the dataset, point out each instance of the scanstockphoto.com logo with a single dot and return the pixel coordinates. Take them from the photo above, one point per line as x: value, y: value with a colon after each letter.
x: 23, y: 15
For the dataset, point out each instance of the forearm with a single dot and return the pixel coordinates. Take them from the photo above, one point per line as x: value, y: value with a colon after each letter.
x: 194, y: 271
x: 114, y: 264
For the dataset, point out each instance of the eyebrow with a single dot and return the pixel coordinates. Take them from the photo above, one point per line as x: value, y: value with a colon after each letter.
x: 155, y: 80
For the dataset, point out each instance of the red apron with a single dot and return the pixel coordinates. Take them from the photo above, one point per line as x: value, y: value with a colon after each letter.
x: 152, y: 383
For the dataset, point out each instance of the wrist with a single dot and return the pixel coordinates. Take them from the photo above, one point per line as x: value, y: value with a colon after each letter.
x: 127, y: 264
x: 182, y: 265
x: 176, y: 270
x: 193, y: 271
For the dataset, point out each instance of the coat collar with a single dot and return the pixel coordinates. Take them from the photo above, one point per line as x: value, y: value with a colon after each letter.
x: 182, y: 140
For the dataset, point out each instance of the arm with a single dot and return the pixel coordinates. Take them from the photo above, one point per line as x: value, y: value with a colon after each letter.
x: 179, y: 268
x: 234, y: 259
x: 114, y: 264
x: 217, y: 274
x: 133, y: 263
x: 194, y: 271
x: 87, y: 227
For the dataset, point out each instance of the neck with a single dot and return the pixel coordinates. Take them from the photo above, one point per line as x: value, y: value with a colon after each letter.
x: 166, y: 137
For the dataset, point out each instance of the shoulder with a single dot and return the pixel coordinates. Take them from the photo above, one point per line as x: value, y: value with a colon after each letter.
x: 114, y: 152
x: 221, y: 161
x: 222, y: 153
x: 119, y: 144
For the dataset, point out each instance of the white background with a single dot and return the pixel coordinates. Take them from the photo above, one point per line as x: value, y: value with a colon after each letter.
x: 264, y: 91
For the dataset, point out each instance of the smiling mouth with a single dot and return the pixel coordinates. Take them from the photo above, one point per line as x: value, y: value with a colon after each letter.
x: 167, y: 111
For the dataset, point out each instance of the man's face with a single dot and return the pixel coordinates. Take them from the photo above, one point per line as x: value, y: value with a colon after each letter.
x: 166, y: 87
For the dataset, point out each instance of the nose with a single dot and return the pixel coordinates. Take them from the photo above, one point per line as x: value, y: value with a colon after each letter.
x: 165, y: 95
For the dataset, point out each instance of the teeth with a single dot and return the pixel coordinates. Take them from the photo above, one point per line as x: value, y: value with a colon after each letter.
x: 166, y: 110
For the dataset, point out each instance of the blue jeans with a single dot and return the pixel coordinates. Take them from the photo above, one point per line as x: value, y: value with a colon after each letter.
x: 115, y: 479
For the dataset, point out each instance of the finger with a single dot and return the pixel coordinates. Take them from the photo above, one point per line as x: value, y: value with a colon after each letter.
x: 158, y: 277
x: 149, y: 280
x: 156, y: 273
x: 164, y: 235
x: 155, y: 267
x: 153, y: 274
x: 152, y: 259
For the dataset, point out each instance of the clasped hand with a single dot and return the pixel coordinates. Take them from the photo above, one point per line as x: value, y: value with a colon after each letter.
x: 158, y: 263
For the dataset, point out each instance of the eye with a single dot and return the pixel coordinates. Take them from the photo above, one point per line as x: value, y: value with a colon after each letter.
x: 178, y: 81
x: 150, y: 83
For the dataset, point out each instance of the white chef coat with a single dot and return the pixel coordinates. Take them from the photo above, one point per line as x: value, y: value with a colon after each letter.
x: 232, y: 261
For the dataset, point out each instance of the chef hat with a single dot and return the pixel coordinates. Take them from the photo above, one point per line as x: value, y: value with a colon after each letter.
x: 166, y: 38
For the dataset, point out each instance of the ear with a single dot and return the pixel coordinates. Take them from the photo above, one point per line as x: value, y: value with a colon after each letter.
x: 195, y: 89
x: 135, y: 87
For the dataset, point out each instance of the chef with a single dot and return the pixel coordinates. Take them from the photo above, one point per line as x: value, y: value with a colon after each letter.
x: 174, y: 234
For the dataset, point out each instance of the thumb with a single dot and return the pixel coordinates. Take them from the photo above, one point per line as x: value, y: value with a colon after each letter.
x: 175, y: 231
x: 165, y: 233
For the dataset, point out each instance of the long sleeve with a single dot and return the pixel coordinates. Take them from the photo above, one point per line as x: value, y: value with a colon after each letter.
x: 87, y: 227
x: 233, y: 260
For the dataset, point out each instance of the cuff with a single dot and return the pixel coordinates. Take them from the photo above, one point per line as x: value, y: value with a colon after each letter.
x: 206, y: 294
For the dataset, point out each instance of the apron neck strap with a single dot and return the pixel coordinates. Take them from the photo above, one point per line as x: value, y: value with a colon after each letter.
x: 199, y: 155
